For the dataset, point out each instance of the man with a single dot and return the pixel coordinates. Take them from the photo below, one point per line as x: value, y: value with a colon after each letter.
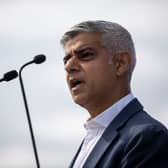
x: 99, y: 61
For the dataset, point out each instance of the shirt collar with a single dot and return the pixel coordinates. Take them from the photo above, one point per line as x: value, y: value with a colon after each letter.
x: 104, y: 119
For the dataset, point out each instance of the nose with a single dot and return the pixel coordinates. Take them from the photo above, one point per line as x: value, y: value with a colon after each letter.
x: 72, y: 65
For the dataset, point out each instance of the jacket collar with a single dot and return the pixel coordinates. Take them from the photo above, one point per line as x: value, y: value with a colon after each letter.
x: 110, y: 134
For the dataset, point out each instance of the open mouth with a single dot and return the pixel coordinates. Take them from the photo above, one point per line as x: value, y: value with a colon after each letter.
x: 74, y: 83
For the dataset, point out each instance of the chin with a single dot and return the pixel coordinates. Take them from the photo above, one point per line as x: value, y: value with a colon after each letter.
x: 80, y: 100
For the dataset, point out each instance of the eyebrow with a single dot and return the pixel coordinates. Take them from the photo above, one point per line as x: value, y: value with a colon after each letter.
x: 81, y: 50
x: 78, y: 51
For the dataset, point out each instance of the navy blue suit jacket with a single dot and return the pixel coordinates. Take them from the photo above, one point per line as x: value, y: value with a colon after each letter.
x: 132, y: 140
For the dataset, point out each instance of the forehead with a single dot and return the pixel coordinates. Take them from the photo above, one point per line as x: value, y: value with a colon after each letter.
x: 83, y: 40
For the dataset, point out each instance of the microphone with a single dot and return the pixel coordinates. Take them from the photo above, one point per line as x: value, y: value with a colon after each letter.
x: 37, y: 60
x: 9, y: 76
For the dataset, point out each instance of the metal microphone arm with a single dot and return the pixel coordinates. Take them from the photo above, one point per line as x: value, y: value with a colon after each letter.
x: 37, y: 60
x: 28, y: 114
x: 12, y: 75
x: 1, y: 80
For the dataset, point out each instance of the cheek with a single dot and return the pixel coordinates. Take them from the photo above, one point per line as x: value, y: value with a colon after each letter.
x: 98, y: 72
x: 95, y: 79
x: 100, y: 77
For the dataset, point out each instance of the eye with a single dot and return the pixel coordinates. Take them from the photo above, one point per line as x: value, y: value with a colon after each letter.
x: 86, y: 55
x: 66, y: 58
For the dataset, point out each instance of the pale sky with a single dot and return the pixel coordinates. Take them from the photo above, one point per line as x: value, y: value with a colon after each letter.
x: 32, y: 27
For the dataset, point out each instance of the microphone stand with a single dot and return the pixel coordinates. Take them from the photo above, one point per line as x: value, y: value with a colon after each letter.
x: 28, y: 114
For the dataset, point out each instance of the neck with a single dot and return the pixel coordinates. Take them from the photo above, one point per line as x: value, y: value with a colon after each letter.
x: 98, y: 107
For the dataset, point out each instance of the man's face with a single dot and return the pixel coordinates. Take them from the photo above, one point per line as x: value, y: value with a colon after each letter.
x: 90, y: 76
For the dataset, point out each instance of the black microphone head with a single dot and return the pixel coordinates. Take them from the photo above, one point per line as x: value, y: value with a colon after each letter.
x: 38, y: 59
x: 10, y: 75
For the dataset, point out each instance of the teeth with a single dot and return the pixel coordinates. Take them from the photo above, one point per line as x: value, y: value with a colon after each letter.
x: 75, y: 83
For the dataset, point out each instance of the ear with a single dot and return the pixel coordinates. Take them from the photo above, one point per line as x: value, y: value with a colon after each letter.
x: 122, y: 63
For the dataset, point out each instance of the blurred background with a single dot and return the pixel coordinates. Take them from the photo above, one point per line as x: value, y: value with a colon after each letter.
x: 32, y: 27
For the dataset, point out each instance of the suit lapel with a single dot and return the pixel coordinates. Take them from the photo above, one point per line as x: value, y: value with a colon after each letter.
x: 99, y: 149
x: 73, y: 160
x: 111, y: 133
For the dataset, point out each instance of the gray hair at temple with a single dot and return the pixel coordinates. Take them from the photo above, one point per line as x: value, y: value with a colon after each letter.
x: 115, y: 38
